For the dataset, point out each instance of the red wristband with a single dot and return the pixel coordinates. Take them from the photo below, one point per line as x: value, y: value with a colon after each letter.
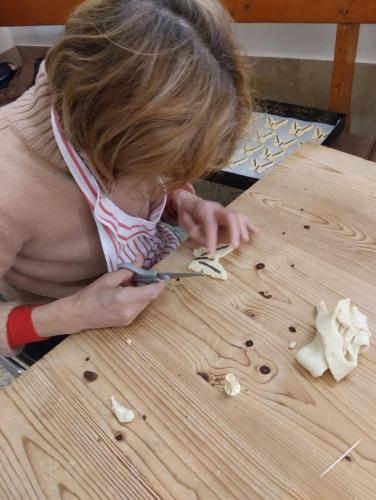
x: 20, y: 328
x: 169, y: 209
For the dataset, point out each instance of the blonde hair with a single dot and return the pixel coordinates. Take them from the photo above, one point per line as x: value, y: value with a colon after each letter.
x: 149, y: 88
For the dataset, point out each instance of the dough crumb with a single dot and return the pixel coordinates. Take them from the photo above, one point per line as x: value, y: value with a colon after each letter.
x: 129, y: 341
x: 292, y: 345
x: 123, y: 414
x: 341, y: 335
x: 232, y: 386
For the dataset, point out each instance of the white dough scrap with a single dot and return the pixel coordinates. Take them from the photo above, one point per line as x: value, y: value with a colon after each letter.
x: 208, y: 264
x: 232, y: 386
x: 123, y: 414
x: 341, y: 335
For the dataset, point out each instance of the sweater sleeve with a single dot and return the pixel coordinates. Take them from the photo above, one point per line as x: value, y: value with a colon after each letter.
x: 10, y: 245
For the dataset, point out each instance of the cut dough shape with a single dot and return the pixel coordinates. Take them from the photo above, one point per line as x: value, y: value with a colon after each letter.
x: 341, y: 336
x: 263, y: 138
x: 123, y: 414
x: 280, y: 143
x: 209, y: 267
x: 299, y: 130
x: 208, y: 264
x: 221, y: 251
x: 319, y: 135
x: 257, y: 164
x: 232, y: 386
x: 275, y: 124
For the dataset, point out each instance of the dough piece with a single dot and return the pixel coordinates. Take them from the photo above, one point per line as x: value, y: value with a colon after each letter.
x: 319, y: 135
x: 280, y: 143
x: 123, y: 414
x: 341, y: 336
x: 299, y: 130
x: 343, y: 332
x: 210, y: 267
x: 263, y: 138
x: 232, y: 386
x: 275, y: 124
x: 209, y: 264
x: 221, y: 251
x: 311, y: 356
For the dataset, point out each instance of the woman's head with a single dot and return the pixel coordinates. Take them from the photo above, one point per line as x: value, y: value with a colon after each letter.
x: 150, y: 88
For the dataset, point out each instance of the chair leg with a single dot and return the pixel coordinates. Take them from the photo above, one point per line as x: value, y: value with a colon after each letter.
x: 14, y: 368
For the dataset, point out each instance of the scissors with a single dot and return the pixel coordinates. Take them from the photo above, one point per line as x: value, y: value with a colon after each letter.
x: 146, y: 276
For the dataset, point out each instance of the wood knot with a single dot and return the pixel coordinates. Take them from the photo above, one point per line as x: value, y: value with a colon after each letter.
x: 119, y: 436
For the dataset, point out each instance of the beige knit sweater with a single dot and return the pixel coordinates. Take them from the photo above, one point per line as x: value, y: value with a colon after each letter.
x: 49, y: 245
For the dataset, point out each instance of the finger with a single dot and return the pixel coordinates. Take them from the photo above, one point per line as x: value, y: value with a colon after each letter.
x: 244, y: 234
x: 209, y: 231
x: 189, y: 225
x: 251, y: 227
x: 231, y: 222
x: 142, y: 293
x: 115, y: 278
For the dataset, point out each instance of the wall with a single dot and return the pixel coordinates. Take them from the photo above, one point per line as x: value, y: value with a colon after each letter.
x: 298, y: 41
x: 6, y: 40
x: 292, y: 63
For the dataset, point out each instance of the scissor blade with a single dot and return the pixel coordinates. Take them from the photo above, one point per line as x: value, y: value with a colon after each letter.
x: 174, y: 276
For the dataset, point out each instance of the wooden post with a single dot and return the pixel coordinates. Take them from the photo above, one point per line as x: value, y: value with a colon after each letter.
x: 343, y: 69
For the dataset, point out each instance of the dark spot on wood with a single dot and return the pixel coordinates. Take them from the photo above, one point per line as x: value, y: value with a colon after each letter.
x: 90, y: 376
x: 292, y: 265
x: 266, y: 295
x: 260, y: 266
x: 344, y: 12
x: 249, y: 343
x: 119, y: 436
x: 247, y: 7
x: 87, y: 358
x: 348, y: 458
x: 292, y: 329
x: 144, y: 417
x: 250, y: 314
x: 307, y: 227
x: 305, y: 189
x: 204, y: 375
x: 177, y: 279
x: 284, y: 232
x: 302, y: 209
x: 265, y: 370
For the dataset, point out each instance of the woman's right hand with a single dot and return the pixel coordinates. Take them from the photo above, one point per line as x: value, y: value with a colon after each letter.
x: 109, y: 301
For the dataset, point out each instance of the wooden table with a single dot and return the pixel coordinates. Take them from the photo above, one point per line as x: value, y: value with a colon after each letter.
x: 189, y: 440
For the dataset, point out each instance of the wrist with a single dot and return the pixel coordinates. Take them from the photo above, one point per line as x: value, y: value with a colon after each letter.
x: 179, y: 198
x: 53, y: 319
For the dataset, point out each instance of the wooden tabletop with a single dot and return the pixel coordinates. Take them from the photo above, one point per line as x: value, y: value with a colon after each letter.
x: 57, y: 433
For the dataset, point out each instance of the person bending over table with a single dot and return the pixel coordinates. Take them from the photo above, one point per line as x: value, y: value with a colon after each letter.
x: 137, y: 99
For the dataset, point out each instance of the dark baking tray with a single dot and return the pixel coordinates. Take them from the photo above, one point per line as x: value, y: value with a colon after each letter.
x: 289, y: 111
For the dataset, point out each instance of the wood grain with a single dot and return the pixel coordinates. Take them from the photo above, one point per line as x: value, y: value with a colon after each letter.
x: 344, y: 68
x: 275, y: 438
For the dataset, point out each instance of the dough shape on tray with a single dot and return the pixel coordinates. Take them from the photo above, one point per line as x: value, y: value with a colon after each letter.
x: 341, y: 335
x: 208, y: 264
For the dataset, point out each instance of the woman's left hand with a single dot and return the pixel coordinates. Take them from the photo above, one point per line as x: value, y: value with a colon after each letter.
x: 202, y: 219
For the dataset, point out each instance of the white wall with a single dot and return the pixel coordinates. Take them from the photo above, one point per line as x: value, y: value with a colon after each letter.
x: 301, y: 41
x: 305, y: 41
x: 6, y: 40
